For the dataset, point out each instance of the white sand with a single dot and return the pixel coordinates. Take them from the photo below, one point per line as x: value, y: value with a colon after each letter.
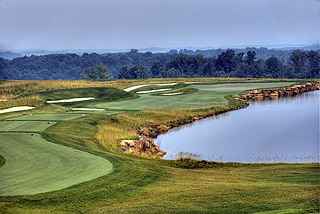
x: 171, y: 94
x: 20, y: 108
x: 71, y: 100
x: 139, y: 86
x: 192, y: 82
x: 87, y: 109
x: 145, y: 92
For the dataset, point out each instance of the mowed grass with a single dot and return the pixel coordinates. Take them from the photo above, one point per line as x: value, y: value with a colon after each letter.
x: 47, y: 117
x: 24, y: 126
x: 207, y: 94
x: 34, y: 165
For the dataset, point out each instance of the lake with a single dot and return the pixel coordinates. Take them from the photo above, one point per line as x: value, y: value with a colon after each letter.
x: 268, y: 131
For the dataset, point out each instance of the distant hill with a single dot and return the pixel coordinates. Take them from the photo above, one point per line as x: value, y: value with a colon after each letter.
x: 9, y: 55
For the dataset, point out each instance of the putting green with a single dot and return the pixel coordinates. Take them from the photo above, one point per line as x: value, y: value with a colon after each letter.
x: 34, y: 165
x: 24, y: 126
x: 208, y: 94
x: 47, y: 117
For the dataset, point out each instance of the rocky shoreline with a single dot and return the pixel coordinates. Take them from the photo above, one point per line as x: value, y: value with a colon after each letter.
x: 275, y: 93
x: 145, y: 146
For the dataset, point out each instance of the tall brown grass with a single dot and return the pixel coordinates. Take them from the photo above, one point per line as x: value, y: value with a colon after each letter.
x: 125, y: 125
x: 32, y: 100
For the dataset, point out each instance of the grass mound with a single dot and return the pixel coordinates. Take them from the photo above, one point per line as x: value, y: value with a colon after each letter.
x: 101, y: 95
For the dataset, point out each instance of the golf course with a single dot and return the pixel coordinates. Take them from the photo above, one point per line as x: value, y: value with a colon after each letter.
x: 54, y: 159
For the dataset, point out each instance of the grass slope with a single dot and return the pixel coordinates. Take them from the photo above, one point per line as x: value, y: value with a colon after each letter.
x: 100, y: 94
x: 34, y: 165
x: 207, y: 94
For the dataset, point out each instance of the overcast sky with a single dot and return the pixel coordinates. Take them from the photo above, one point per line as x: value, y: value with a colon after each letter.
x: 122, y: 24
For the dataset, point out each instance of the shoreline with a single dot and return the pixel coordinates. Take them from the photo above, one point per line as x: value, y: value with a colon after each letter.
x: 145, y: 145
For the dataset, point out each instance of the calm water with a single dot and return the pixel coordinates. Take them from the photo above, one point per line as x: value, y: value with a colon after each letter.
x: 283, y: 130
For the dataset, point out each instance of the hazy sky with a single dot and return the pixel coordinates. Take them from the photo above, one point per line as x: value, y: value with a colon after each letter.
x: 121, y: 24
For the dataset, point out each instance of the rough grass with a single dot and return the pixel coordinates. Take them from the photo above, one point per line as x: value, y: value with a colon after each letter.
x: 31, y: 100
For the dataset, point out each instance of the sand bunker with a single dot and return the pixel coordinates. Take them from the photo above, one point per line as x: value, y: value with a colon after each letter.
x: 139, y: 86
x: 71, y: 100
x: 171, y: 94
x: 20, y: 108
x: 87, y: 109
x: 145, y: 92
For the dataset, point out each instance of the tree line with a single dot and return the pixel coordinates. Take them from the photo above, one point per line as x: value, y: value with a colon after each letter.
x: 301, y: 64
x: 133, y: 64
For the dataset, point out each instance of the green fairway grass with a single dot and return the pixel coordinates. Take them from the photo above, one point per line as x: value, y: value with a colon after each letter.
x: 93, y: 112
x: 207, y: 94
x: 47, y: 117
x: 24, y: 126
x: 34, y: 165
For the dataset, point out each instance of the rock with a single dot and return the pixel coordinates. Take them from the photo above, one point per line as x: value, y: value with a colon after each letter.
x: 154, y: 126
x: 163, y: 128
x: 144, y: 131
x: 161, y: 154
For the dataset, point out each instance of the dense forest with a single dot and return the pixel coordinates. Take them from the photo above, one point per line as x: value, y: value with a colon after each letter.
x: 248, y: 63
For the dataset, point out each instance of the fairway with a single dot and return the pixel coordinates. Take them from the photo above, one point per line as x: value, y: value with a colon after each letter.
x: 47, y: 117
x: 34, y: 165
x: 208, y: 94
x: 24, y: 126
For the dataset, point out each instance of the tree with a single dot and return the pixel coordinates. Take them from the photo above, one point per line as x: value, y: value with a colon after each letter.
x: 156, y: 69
x: 173, y: 73
x: 97, y: 72
x: 274, y: 67
x: 313, y: 64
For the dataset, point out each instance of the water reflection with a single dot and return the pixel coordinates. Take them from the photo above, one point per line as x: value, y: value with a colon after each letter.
x: 270, y: 131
